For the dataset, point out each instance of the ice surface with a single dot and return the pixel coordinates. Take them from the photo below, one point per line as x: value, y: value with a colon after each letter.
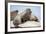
x: 27, y: 24
x: 30, y: 24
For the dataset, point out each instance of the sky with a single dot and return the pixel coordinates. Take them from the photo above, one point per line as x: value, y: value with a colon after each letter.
x: 36, y: 10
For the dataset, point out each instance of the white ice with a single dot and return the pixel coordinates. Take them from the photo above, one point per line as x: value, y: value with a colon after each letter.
x: 27, y: 24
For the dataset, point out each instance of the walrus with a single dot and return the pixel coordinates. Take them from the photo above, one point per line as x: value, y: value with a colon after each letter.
x: 23, y: 17
x: 28, y: 16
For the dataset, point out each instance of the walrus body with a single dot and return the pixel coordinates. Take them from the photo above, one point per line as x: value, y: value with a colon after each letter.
x: 23, y: 17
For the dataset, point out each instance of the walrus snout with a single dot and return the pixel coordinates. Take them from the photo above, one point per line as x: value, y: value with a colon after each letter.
x: 16, y: 23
